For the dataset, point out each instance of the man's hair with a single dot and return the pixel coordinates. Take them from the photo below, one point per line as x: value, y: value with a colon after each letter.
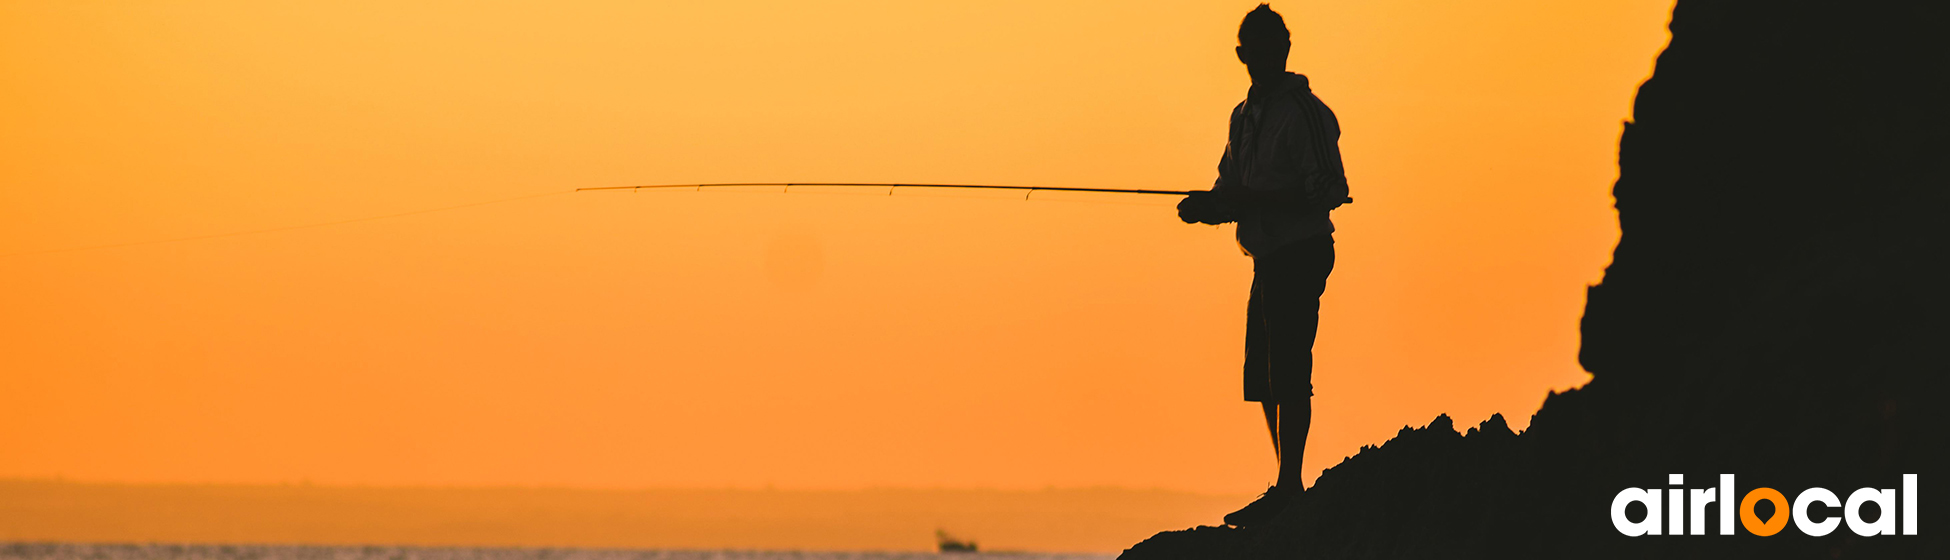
x: 1263, y: 27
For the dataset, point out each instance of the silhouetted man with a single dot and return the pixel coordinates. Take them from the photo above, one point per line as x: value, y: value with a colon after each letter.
x: 1279, y: 178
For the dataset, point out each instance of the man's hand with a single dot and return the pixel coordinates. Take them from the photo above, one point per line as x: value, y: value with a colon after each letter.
x: 1203, y: 207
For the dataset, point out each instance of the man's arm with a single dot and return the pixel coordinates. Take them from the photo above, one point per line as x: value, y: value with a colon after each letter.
x: 1207, y: 207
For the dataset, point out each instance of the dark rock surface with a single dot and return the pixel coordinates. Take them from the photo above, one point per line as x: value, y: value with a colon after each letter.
x: 1776, y: 309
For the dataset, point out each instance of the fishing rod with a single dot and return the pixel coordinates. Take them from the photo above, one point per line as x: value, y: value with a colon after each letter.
x: 787, y: 187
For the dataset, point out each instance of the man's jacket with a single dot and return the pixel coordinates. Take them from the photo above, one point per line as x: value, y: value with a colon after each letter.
x: 1285, y: 142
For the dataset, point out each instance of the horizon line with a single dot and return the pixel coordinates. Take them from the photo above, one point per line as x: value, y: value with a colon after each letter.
x: 571, y: 488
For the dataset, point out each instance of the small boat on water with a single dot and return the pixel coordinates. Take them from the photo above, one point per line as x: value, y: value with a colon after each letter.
x: 949, y: 544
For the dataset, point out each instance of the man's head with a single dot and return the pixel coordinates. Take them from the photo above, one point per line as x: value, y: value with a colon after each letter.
x: 1264, y: 42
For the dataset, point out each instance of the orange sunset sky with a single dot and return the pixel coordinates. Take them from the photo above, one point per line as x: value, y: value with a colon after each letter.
x: 823, y: 340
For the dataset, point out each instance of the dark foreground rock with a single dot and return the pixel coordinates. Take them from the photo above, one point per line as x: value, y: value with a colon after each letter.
x: 1776, y: 309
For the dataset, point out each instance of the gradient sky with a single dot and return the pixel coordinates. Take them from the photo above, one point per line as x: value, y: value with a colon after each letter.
x: 749, y: 339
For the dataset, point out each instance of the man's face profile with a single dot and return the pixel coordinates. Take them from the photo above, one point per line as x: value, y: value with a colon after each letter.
x: 1267, y: 54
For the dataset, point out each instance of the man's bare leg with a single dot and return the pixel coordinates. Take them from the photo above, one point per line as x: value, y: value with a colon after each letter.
x: 1280, y: 421
x: 1295, y: 418
x: 1273, y: 425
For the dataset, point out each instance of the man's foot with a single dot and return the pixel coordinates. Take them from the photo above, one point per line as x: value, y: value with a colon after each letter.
x: 1261, y: 510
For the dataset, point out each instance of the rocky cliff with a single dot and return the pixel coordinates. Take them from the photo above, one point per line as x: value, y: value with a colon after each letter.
x: 1776, y: 309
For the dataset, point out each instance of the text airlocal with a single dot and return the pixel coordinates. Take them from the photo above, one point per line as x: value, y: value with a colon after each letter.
x: 1684, y: 510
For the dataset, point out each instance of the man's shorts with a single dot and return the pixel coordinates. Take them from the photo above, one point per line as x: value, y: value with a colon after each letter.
x: 1281, y: 318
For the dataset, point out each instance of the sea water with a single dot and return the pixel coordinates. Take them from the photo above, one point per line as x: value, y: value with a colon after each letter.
x: 74, y: 551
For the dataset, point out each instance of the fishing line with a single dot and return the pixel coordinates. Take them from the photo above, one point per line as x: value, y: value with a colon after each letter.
x: 787, y: 187
x: 287, y: 228
x: 784, y: 188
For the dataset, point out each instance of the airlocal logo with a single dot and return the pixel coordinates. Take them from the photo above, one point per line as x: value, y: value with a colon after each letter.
x: 1808, y: 522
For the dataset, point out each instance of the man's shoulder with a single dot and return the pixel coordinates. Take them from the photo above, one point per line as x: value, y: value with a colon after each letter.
x: 1303, y: 102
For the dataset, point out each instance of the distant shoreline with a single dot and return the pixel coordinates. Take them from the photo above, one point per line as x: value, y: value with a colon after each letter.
x: 1081, y: 520
x: 164, y: 551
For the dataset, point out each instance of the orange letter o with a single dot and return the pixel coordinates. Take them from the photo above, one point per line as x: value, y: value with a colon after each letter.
x: 1752, y: 522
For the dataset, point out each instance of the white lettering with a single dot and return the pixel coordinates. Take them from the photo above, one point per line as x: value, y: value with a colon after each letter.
x: 1885, y: 523
x: 1677, y: 516
x: 1803, y: 522
x: 1647, y: 526
x: 1701, y: 497
x: 1667, y: 512
x: 1909, y: 504
x: 1727, y: 505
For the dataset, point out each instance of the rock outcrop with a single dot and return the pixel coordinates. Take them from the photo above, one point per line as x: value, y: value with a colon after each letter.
x: 1776, y: 309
